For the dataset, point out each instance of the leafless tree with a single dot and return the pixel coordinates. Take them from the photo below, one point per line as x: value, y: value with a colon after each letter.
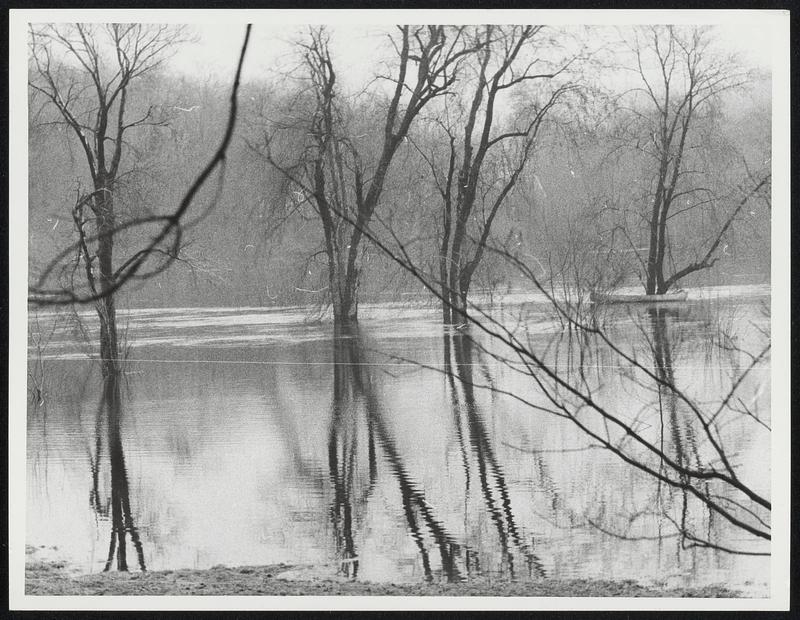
x: 63, y: 58
x: 336, y: 175
x: 483, y: 164
x: 664, y: 127
x: 87, y: 73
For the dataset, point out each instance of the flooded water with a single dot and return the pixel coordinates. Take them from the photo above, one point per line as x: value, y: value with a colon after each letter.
x: 248, y: 436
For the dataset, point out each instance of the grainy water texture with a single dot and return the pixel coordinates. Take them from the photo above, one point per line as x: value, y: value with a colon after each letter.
x: 251, y: 436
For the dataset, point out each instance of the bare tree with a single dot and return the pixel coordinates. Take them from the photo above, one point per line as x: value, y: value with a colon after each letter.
x: 336, y: 175
x: 483, y: 164
x: 92, y: 99
x: 665, y: 122
x: 87, y: 72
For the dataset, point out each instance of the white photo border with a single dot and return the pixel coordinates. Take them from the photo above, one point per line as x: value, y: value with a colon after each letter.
x: 776, y: 23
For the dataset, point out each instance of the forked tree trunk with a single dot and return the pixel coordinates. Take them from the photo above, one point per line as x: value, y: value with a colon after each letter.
x: 652, y: 258
x: 342, y: 276
x: 109, y: 349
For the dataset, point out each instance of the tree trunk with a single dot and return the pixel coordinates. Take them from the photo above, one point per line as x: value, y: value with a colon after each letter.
x: 450, y: 303
x: 656, y: 284
x: 348, y: 302
x: 456, y: 278
x: 453, y: 277
x: 447, y: 311
x: 349, y: 315
x: 106, y: 309
x: 652, y: 258
x: 455, y: 291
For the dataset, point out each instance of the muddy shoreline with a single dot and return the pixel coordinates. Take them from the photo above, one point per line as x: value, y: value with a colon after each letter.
x: 53, y: 578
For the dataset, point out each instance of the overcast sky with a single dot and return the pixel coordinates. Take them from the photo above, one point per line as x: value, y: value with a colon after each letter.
x: 356, y: 49
x: 271, y: 49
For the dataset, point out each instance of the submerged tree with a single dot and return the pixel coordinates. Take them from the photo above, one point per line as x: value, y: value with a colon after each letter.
x: 484, y: 164
x: 342, y: 180
x: 669, y: 135
x: 87, y: 72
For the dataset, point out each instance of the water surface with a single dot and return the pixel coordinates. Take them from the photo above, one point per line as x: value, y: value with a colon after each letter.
x: 249, y: 436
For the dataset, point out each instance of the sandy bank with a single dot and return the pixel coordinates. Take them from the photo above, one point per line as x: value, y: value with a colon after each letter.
x: 54, y: 579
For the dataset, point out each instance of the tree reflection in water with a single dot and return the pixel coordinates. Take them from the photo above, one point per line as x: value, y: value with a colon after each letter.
x: 494, y: 488
x: 348, y: 397
x: 353, y: 394
x: 357, y: 413
x: 372, y: 463
x: 666, y: 333
x: 109, y: 412
x: 674, y: 427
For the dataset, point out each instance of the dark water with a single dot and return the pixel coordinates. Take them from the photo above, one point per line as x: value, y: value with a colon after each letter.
x: 247, y: 436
